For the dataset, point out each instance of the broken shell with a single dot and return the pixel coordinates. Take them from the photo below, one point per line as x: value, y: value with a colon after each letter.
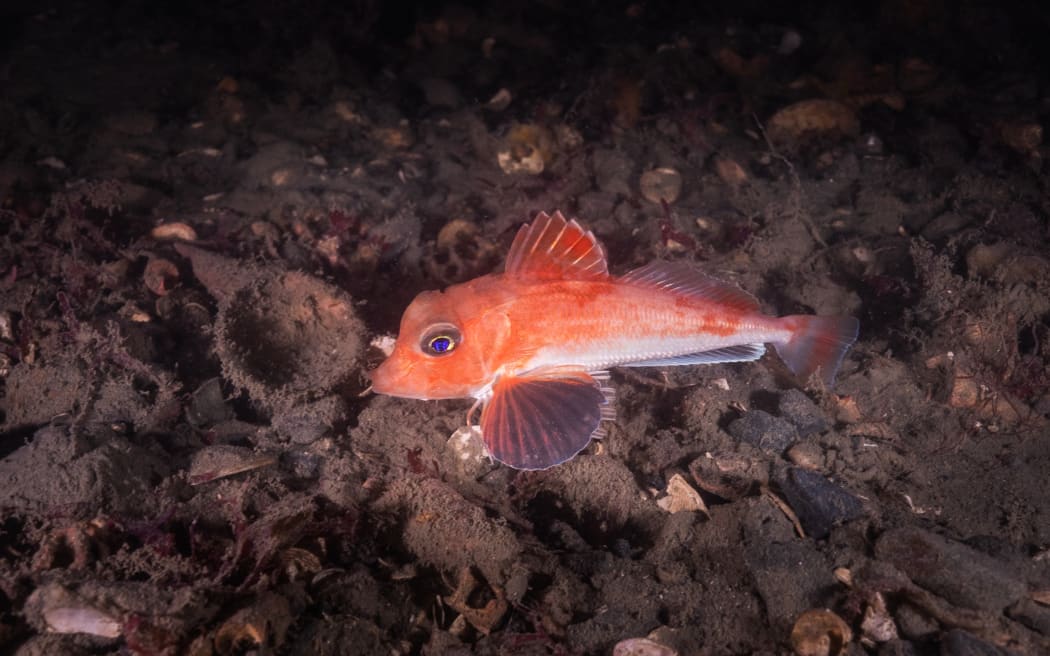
x: 222, y: 460
x: 729, y: 475
x: 298, y: 563
x: 681, y: 496
x: 460, y: 253
x: 395, y: 138
x: 264, y: 623
x: 177, y: 230
x: 878, y: 625
x: 160, y: 275
x: 526, y: 149
x: 467, y: 445
x: 500, y: 101
x: 7, y: 326
x: 1024, y: 138
x: 485, y: 618
x: 820, y: 632
x: 81, y: 619
x: 642, y: 647
x: 730, y: 172
x: 568, y: 137
x: 812, y: 118
x: 662, y: 184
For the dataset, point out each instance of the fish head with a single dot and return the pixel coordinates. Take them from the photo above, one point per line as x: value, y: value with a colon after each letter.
x: 444, y: 349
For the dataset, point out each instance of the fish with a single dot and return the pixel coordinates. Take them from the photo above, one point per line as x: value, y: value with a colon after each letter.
x: 533, y: 345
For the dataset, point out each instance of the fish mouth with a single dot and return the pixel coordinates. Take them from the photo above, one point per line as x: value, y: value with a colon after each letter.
x: 389, y: 379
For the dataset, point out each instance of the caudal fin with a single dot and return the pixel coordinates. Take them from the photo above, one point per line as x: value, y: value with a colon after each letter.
x: 817, y: 343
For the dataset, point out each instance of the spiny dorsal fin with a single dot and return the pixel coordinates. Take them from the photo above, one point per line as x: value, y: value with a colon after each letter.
x: 551, y: 247
x: 681, y: 278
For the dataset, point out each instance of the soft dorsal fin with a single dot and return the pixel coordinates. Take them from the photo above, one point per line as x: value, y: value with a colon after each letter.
x: 681, y: 278
x: 551, y: 247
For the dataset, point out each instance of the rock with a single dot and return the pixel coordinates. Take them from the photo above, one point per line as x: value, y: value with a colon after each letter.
x: 62, y: 470
x: 819, y: 503
x: 962, y: 575
x: 960, y: 643
x: 308, y: 422
x: 763, y: 430
x: 439, y: 92
x: 441, y: 528
x: 207, y: 405
x: 898, y: 648
x: 612, y: 171
x: 1033, y: 615
x: 802, y: 412
x: 287, y: 338
x: 790, y: 575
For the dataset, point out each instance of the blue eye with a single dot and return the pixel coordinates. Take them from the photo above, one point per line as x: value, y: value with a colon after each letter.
x: 442, y: 344
x: 440, y: 339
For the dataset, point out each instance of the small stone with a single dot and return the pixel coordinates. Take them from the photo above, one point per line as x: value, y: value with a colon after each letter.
x: 802, y: 412
x: 761, y: 429
x: 818, y: 503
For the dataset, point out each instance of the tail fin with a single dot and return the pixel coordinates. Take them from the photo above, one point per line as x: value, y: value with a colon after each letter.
x: 817, y: 343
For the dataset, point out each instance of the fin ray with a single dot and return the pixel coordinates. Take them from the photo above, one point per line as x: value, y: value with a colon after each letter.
x: 681, y: 278
x: 552, y: 247
x: 542, y: 419
x: 817, y: 343
x: 738, y: 353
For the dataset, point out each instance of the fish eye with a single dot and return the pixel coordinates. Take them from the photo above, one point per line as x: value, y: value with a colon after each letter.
x: 440, y: 339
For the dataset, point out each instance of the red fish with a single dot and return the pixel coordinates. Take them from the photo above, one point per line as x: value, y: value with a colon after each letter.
x: 534, y: 344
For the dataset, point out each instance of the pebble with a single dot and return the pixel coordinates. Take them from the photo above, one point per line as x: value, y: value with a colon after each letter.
x: 763, y: 430
x: 818, y: 503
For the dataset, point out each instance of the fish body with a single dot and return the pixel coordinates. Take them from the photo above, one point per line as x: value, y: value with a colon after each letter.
x: 534, y: 343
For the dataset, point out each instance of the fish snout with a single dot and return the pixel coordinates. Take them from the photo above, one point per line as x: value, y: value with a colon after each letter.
x: 382, y: 378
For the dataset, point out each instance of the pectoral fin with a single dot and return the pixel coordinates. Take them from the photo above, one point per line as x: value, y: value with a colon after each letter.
x: 541, y: 420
